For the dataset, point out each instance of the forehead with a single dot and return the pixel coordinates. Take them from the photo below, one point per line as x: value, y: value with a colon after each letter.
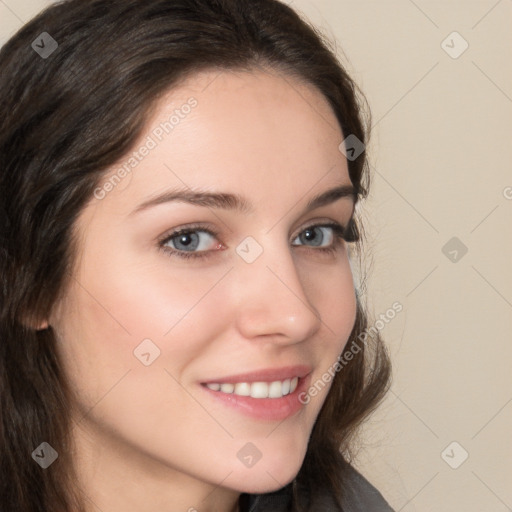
x: 258, y: 132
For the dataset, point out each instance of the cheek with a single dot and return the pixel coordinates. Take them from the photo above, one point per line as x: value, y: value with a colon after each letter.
x: 118, y: 311
x: 135, y: 301
x: 340, y: 298
x: 333, y: 294
x: 331, y: 291
x: 105, y: 319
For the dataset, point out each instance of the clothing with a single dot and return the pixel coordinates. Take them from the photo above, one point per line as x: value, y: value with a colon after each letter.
x: 361, y: 496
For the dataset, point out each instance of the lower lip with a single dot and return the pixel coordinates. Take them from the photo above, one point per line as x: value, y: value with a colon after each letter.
x: 270, y: 409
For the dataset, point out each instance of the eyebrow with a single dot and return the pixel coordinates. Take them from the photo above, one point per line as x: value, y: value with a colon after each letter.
x: 237, y: 202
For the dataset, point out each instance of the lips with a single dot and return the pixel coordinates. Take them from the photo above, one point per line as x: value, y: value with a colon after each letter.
x: 265, y: 375
x: 270, y: 394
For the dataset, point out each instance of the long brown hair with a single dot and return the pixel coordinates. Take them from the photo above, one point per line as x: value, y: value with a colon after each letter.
x: 74, y: 111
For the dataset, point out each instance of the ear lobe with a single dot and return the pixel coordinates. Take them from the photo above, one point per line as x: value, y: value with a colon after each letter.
x: 36, y: 325
x: 42, y: 326
x: 41, y: 321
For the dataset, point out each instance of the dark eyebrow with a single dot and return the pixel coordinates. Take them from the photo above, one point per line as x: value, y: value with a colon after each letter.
x: 237, y: 202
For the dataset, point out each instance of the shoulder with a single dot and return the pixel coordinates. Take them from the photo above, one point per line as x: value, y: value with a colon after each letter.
x: 359, y: 495
x: 362, y: 496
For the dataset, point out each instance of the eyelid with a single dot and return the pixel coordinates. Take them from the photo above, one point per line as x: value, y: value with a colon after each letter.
x: 171, y: 233
x: 198, y: 226
x: 347, y: 232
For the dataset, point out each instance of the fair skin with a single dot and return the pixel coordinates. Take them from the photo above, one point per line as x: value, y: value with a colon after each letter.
x: 155, y: 438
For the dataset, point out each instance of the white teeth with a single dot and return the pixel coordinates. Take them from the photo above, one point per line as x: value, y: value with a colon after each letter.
x: 259, y: 390
x: 243, y: 389
x: 286, y: 386
x: 275, y: 389
x: 227, y: 388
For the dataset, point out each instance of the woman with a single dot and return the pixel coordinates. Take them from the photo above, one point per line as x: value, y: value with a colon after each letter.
x: 180, y: 328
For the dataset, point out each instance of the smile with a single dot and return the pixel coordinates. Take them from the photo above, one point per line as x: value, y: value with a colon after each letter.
x: 275, y: 389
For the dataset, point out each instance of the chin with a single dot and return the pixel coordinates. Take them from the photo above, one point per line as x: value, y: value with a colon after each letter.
x: 270, y: 477
x: 263, y: 483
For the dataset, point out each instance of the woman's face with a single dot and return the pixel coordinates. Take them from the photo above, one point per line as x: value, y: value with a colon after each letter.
x: 142, y: 329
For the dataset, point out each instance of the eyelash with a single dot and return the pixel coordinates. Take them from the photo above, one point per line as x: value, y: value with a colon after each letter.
x: 349, y: 234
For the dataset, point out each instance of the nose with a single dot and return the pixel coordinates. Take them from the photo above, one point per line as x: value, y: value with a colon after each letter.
x: 271, y: 300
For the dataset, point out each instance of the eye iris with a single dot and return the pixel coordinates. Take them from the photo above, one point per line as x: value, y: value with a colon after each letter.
x: 187, y: 239
x: 309, y: 235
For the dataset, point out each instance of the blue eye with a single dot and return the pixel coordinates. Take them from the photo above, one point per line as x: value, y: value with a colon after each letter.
x: 315, y: 235
x: 188, y: 243
x: 190, y: 240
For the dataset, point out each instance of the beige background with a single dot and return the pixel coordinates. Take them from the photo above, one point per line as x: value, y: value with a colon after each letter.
x: 441, y: 150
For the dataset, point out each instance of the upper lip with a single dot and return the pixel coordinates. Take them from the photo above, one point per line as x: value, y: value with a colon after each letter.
x: 264, y: 375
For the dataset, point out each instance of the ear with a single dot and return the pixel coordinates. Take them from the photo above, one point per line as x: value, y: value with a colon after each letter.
x: 41, y: 321
x: 37, y: 325
x: 42, y: 326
